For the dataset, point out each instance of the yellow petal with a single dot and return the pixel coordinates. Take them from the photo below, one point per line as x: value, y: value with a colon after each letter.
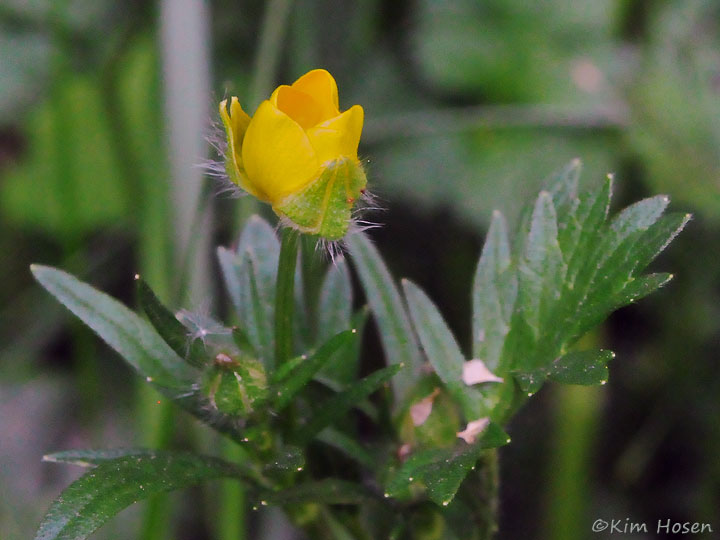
x: 239, y: 119
x: 319, y: 84
x: 339, y: 136
x: 277, y: 154
x: 299, y: 106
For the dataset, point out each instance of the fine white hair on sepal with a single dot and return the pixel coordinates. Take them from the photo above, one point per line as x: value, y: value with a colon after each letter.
x: 216, y: 168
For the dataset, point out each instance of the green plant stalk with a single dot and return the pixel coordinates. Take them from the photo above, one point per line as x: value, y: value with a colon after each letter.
x: 577, y: 413
x: 284, y: 295
x: 231, y: 514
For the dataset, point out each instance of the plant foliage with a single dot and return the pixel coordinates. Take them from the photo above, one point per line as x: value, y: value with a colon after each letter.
x: 569, y: 267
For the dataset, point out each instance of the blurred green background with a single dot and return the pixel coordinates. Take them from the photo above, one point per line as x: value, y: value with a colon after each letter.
x: 470, y: 104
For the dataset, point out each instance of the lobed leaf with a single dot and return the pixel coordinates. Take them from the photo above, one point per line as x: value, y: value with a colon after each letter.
x: 442, y: 470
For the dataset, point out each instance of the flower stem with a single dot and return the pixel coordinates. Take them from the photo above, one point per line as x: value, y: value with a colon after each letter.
x: 284, y: 295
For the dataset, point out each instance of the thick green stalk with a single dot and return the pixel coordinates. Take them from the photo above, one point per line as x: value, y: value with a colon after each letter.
x: 284, y: 299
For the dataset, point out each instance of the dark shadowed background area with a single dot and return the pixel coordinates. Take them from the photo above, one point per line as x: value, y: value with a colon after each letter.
x: 470, y: 105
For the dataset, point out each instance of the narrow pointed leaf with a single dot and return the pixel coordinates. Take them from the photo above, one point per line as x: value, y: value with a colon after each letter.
x: 337, y: 406
x: 542, y: 268
x: 437, y: 340
x: 493, y: 295
x: 327, y: 491
x: 336, y: 300
x: 347, y: 445
x: 392, y: 321
x: 306, y: 370
x: 128, y: 334
x: 583, y: 368
x: 564, y: 187
x: 250, y: 274
x: 114, y: 484
x: 442, y: 350
x: 581, y: 235
x: 640, y: 287
x: 170, y: 329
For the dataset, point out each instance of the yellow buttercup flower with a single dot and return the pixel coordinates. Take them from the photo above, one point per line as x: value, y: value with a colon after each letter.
x: 299, y: 153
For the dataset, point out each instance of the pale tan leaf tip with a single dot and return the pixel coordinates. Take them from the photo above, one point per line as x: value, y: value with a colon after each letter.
x: 475, y: 371
x: 473, y: 429
x: 420, y: 411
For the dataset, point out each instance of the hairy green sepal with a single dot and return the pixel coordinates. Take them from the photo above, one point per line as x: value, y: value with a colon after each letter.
x: 324, y: 207
x: 236, y: 385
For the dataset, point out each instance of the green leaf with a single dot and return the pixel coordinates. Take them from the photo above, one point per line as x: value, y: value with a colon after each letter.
x: 336, y: 299
x: 437, y: 340
x: 582, y: 234
x: 290, y: 458
x: 250, y: 274
x: 564, y: 188
x: 170, y: 328
x: 493, y: 295
x: 640, y: 287
x: 347, y: 445
x: 128, y: 334
x: 337, y: 406
x: 443, y: 470
x: 138, y: 343
x: 584, y: 368
x: 542, y: 268
x: 306, y: 370
x: 441, y: 349
x: 117, y: 482
x: 530, y: 381
x: 327, y: 491
x: 392, y: 321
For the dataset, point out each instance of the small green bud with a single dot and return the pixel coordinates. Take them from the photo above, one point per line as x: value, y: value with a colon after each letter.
x: 236, y: 385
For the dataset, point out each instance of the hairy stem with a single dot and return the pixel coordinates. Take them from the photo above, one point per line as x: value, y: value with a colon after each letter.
x: 284, y: 299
